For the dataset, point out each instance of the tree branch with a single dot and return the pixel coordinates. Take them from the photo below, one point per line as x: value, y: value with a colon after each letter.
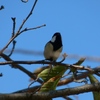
x: 62, y: 82
x: 52, y: 94
x: 79, y: 76
x: 21, y: 26
x: 20, y: 68
x: 40, y: 53
x: 24, y: 1
x: 28, y: 29
x: 47, y: 62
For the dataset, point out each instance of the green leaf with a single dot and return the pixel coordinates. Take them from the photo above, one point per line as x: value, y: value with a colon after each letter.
x: 51, y: 72
x: 93, y: 79
x: 74, y: 70
x: 51, y: 84
x: 80, y: 61
x: 51, y: 77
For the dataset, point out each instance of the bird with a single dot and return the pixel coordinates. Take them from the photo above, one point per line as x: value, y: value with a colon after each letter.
x: 53, y: 48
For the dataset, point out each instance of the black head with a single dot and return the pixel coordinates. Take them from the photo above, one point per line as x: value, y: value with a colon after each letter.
x: 56, y: 34
x: 56, y: 41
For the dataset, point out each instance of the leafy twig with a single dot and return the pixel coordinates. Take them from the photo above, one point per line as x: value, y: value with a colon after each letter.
x: 79, y: 76
x: 62, y: 82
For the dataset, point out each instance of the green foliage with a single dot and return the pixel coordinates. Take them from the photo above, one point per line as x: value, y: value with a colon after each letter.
x: 80, y: 61
x: 51, y: 77
x: 53, y: 74
x: 74, y: 70
x: 93, y: 79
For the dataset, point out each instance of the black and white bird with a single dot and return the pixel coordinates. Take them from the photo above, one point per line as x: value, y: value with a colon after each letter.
x: 53, y: 48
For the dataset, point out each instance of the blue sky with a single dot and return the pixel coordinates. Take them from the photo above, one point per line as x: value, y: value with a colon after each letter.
x: 77, y: 20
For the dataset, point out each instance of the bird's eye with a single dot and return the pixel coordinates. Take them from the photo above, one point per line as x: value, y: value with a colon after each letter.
x: 53, y: 39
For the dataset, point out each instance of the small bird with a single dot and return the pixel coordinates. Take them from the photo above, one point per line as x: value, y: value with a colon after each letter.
x: 53, y: 48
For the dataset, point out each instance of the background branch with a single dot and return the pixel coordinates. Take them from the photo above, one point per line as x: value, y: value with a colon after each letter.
x: 40, y: 53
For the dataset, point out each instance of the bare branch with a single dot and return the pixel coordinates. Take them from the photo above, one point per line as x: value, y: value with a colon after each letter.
x: 31, y: 89
x: 28, y: 29
x: 47, y: 62
x: 40, y: 53
x: 25, y: 1
x: 67, y: 98
x: 13, y: 33
x: 54, y: 93
x: 14, y: 43
x: 20, y: 68
x: 14, y: 25
x: 30, y: 13
x: 21, y: 26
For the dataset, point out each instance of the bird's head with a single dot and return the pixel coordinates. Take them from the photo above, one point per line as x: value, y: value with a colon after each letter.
x: 56, y: 38
x: 56, y: 41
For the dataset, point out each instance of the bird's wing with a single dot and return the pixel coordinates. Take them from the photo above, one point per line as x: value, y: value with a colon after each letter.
x: 48, y: 50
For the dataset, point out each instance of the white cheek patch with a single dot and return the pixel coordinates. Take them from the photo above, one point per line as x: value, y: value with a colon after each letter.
x: 53, y: 39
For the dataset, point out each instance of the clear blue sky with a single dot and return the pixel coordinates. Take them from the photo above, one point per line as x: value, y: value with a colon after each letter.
x: 77, y: 20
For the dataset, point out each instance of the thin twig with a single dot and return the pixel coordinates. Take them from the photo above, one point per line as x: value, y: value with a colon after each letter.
x: 25, y: 1
x: 14, y: 25
x: 28, y: 29
x: 77, y: 67
x: 13, y: 33
x: 31, y: 89
x: 30, y: 13
x: 40, y: 53
x: 21, y: 26
x: 2, y: 7
x: 67, y: 98
x: 14, y: 43
x: 64, y: 57
x: 1, y: 74
x: 79, y: 76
